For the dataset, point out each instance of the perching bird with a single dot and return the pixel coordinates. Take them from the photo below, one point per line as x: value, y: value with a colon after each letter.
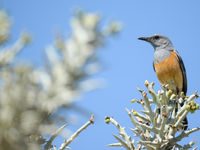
x: 168, y: 65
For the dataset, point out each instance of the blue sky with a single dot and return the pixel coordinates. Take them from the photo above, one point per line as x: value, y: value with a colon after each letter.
x: 127, y: 61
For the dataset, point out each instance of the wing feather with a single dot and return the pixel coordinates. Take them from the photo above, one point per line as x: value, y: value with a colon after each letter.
x: 183, y: 71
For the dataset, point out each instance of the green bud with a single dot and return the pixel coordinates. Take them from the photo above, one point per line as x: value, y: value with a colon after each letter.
x: 26, y: 38
x: 197, y: 106
x: 193, y: 107
x: 169, y: 93
x: 133, y: 100
x: 135, y: 113
x: 107, y: 121
x: 182, y: 94
x: 192, y: 111
x: 187, y: 107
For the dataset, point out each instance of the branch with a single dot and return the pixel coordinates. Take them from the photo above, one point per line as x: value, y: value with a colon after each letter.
x: 70, y: 139
x: 54, y: 135
x: 159, y: 129
x: 127, y: 143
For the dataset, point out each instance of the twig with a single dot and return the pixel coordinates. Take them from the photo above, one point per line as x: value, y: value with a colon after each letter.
x: 54, y: 135
x: 70, y: 139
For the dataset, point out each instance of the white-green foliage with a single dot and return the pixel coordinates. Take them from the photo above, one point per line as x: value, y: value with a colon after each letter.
x: 29, y: 97
x: 158, y: 130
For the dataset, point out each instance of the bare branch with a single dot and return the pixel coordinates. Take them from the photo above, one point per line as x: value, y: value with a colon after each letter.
x: 73, y: 136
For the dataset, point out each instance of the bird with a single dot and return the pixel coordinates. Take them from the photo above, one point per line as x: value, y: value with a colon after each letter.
x: 168, y: 65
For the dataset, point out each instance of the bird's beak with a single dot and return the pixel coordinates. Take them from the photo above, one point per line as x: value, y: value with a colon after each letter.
x: 144, y: 39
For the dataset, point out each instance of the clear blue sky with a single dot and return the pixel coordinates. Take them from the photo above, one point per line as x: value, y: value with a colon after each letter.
x: 128, y: 62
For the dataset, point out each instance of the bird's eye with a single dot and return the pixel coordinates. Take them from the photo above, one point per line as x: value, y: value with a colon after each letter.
x: 156, y: 37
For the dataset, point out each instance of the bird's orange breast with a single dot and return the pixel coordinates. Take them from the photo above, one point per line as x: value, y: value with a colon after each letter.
x: 169, y: 72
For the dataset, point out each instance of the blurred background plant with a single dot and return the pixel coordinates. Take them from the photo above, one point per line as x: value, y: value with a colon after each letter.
x: 30, y: 97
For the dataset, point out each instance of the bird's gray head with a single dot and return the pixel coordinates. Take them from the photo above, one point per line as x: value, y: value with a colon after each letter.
x: 158, y: 42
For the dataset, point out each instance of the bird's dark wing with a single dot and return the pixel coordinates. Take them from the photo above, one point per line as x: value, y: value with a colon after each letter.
x: 154, y: 67
x: 183, y: 72
x: 185, y: 121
